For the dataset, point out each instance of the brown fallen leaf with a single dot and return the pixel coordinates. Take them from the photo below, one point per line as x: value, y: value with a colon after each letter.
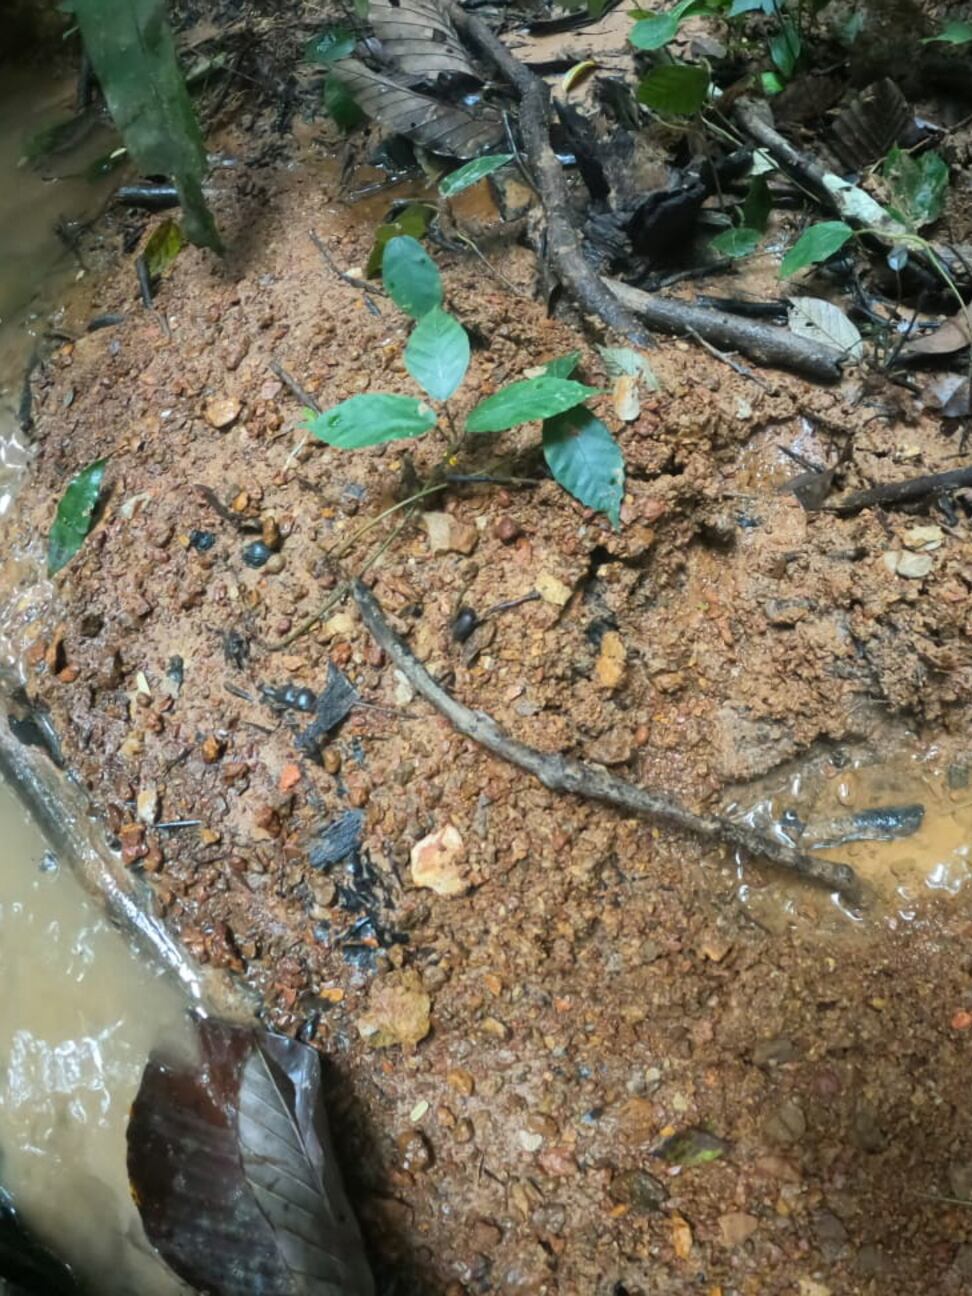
x: 951, y: 336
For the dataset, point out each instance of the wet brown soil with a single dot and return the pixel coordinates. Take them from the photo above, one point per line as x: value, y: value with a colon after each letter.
x: 597, y: 983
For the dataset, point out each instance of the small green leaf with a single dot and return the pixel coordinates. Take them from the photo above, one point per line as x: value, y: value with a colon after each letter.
x: 918, y: 186
x: 563, y: 366
x: 333, y: 43
x: 655, y: 32
x: 678, y: 88
x: 692, y: 1147
x: 521, y: 402
x: 815, y: 244
x: 472, y: 173
x: 739, y: 7
x: 437, y: 355
x: 784, y: 47
x: 372, y: 418
x: 410, y: 276
x: 586, y: 460
x: 953, y: 33
x: 413, y: 220
x: 164, y: 245
x: 757, y: 204
x: 73, y: 519
x: 340, y: 105
x: 735, y: 243
x: 770, y: 83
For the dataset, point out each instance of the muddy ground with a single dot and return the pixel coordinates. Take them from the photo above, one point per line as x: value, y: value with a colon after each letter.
x: 597, y: 983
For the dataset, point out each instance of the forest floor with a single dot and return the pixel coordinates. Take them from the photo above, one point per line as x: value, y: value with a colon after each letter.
x: 505, y: 1060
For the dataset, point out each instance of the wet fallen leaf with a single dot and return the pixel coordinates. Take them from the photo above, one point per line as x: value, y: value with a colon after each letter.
x: 821, y: 321
x: 72, y: 521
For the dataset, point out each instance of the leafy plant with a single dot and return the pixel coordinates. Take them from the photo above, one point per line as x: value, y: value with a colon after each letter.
x: 734, y: 243
x: 72, y: 521
x: 470, y: 174
x: 953, y: 33
x: 580, y: 451
x: 815, y: 244
x: 678, y: 88
x: 918, y: 186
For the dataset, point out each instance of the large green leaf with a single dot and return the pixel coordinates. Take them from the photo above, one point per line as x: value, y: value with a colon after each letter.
x: 918, y: 186
x: 472, y: 173
x: 133, y: 55
x: 372, y: 418
x: 655, y: 32
x: 815, y: 244
x: 72, y: 521
x: 409, y: 274
x: 413, y: 220
x: 785, y: 48
x: 757, y: 205
x: 678, y: 88
x: 521, y: 402
x: 953, y: 33
x: 437, y: 355
x: 585, y: 460
x: 340, y: 106
x: 740, y: 242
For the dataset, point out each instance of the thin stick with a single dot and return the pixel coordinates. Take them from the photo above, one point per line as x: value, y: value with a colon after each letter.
x: 727, y: 359
x: 363, y: 284
x: 903, y: 492
x: 294, y: 386
x: 561, y: 774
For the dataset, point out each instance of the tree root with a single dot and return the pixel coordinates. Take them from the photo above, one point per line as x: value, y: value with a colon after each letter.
x: 561, y: 774
x: 903, y: 492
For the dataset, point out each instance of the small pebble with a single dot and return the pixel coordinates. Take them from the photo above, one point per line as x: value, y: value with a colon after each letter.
x: 275, y: 564
x: 414, y: 1151
x: 506, y: 530
x: 332, y: 760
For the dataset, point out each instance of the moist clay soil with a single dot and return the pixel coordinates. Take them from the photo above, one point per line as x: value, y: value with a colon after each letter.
x: 506, y: 1050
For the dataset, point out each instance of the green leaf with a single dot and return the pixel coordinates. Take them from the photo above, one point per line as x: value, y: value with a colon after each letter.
x: 815, y: 244
x: 692, y: 1147
x: 586, y: 460
x: 848, y: 29
x: 472, y: 173
x: 524, y: 401
x: 410, y: 276
x: 133, y: 55
x: 785, y: 47
x: 163, y: 246
x: 437, y: 355
x: 757, y: 204
x: 734, y: 243
x: 739, y: 7
x: 918, y: 186
x: 372, y: 418
x: 953, y: 33
x: 563, y: 366
x: 675, y: 88
x: 413, y: 220
x: 335, y: 42
x: 655, y: 32
x: 73, y: 519
x: 770, y: 83
x: 340, y: 106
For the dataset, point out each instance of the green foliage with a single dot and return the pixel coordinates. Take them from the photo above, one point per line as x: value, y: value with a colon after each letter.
x: 677, y: 88
x: 472, y: 173
x: 335, y: 42
x: 74, y: 513
x: 372, y: 418
x: 410, y: 276
x: 163, y: 246
x: 412, y: 220
x: 741, y: 242
x: 437, y: 355
x: 526, y: 400
x: 133, y: 55
x: 340, y: 106
x: 815, y: 244
x: 585, y: 459
x: 917, y: 185
x: 785, y: 48
x: 770, y: 84
x: 563, y: 366
x: 757, y: 205
x: 654, y: 32
x: 953, y: 33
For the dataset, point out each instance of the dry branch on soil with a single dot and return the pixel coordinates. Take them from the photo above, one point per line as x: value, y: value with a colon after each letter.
x: 561, y: 774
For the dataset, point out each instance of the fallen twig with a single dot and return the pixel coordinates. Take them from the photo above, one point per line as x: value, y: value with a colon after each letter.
x: 293, y: 386
x: 564, y: 246
x: 329, y: 261
x: 561, y: 774
x: 727, y: 359
x: 903, y: 492
x: 761, y: 342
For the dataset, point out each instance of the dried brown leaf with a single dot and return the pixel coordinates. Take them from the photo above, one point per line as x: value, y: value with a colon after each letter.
x: 419, y: 38
x: 952, y: 336
x: 870, y: 124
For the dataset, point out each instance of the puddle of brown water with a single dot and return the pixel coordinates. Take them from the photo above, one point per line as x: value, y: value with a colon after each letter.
x: 78, y: 1016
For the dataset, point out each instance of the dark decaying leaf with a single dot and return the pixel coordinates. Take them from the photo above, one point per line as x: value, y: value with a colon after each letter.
x: 233, y: 1172
x: 73, y: 519
x: 869, y: 125
x: 334, y: 702
x: 419, y: 38
x: 442, y: 128
x: 692, y: 1147
x: 341, y: 838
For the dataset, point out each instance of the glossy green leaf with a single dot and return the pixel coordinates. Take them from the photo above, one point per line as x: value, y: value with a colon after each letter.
x: 372, y: 418
x: 412, y: 220
x: 918, y: 186
x: 334, y: 42
x: 692, y: 1147
x: 770, y: 84
x: 563, y: 366
x: 586, y: 460
x: 524, y: 401
x: 474, y: 171
x: 734, y: 243
x: 655, y: 32
x: 163, y: 246
x: 785, y: 48
x: 757, y: 204
x: 815, y: 244
x: 953, y: 33
x: 72, y: 521
x: 133, y: 55
x: 678, y: 88
x: 437, y: 355
x: 340, y: 106
x: 410, y: 276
